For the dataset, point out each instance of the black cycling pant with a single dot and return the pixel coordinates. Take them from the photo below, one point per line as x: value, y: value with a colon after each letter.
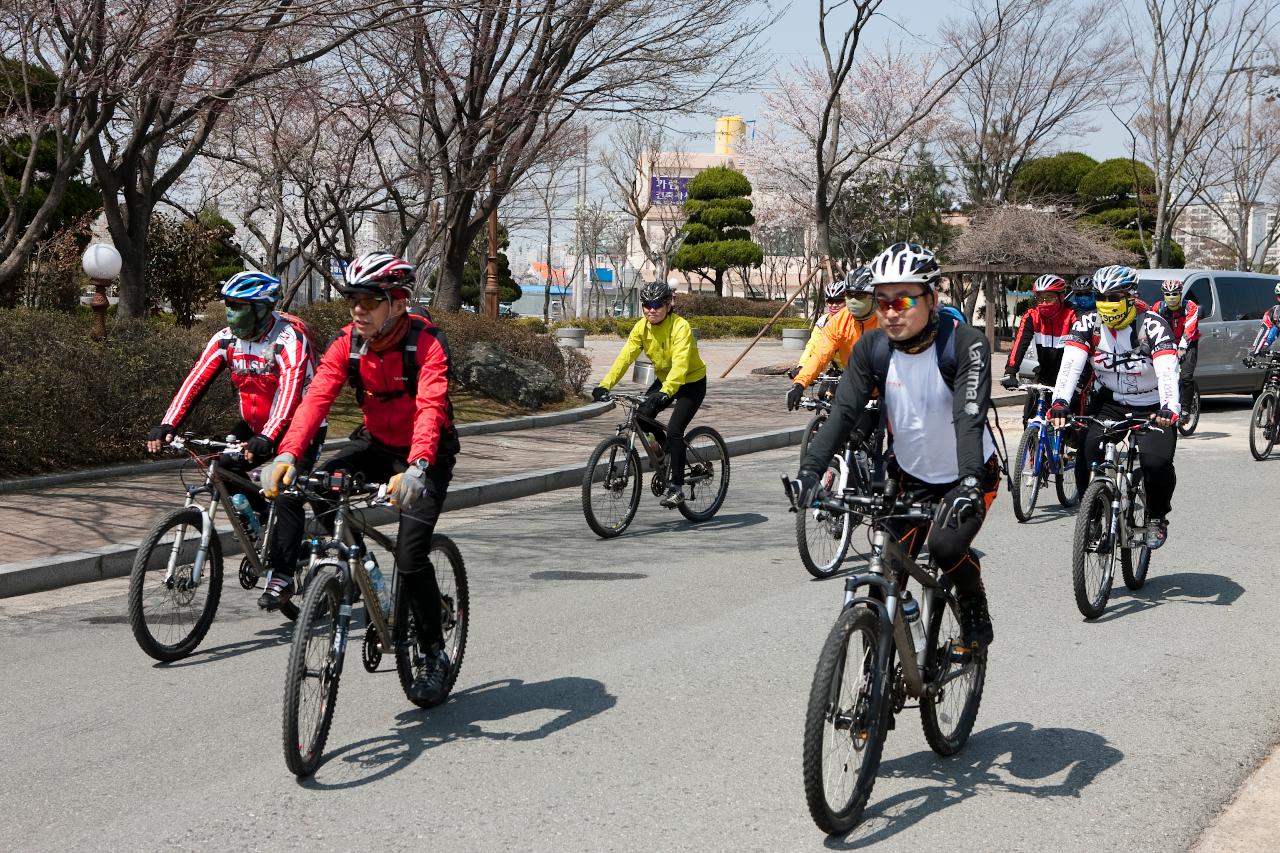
x: 243, y: 432
x: 1187, y: 372
x: 951, y: 548
x: 684, y: 404
x: 1155, y: 450
x: 378, y: 463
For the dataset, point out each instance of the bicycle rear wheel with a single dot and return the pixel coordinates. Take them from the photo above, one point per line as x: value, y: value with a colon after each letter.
x: 1190, y: 413
x: 311, y: 680
x: 706, y: 473
x: 846, y: 722
x: 1136, y: 559
x: 611, y: 487
x: 822, y: 536
x: 1261, y: 417
x: 169, y: 614
x: 1026, y: 474
x: 1093, y: 551
x: 815, y: 424
x: 455, y: 616
x: 948, y: 714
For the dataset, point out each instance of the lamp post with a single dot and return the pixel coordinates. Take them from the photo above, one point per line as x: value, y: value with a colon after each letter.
x: 101, y: 262
x: 491, y: 289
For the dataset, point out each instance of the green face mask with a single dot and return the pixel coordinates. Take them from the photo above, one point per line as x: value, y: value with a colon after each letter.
x: 248, y: 322
x: 860, y: 306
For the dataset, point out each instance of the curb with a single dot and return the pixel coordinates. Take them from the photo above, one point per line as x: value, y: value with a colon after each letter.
x: 113, y: 561
x: 133, y: 469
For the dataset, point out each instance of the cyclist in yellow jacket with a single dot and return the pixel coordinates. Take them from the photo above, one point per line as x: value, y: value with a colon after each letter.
x: 682, y: 377
x: 839, y: 335
x: 834, y: 292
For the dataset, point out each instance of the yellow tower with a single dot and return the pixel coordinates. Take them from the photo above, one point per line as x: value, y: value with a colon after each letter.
x: 729, y: 132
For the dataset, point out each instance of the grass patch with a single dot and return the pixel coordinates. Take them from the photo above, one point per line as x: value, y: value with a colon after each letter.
x: 468, y: 407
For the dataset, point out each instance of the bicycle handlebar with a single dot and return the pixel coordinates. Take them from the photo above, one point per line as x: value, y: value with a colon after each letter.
x: 233, y: 447
x: 1130, y: 421
x: 1035, y: 386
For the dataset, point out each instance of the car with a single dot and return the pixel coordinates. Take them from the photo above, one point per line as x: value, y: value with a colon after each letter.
x: 1231, y: 307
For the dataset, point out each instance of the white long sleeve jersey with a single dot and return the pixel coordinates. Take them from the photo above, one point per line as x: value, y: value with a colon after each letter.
x: 1137, y: 364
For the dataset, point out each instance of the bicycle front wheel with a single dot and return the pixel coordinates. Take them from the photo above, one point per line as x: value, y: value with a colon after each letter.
x: 455, y: 616
x: 1065, y: 481
x: 845, y: 723
x: 1135, y: 559
x: 815, y: 424
x: 948, y: 714
x: 611, y: 488
x: 1261, y: 418
x: 168, y: 611
x: 822, y: 536
x: 1094, y: 549
x: 706, y: 473
x: 311, y: 680
x: 1026, y: 474
x: 1190, y: 413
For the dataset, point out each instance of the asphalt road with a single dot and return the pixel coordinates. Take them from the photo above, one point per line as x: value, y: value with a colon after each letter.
x: 647, y: 693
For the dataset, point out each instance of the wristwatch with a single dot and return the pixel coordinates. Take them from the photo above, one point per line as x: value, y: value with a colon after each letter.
x: 970, y: 482
x: 421, y: 465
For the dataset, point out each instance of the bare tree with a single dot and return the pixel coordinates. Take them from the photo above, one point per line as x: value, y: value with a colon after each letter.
x: 1190, y: 55
x: 1042, y: 80
x: 499, y: 80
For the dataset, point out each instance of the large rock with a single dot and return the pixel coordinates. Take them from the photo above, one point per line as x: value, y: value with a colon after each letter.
x: 491, y: 370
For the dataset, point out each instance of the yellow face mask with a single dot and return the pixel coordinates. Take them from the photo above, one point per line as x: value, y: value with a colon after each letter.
x: 1174, y: 302
x: 860, y: 306
x: 1118, y: 314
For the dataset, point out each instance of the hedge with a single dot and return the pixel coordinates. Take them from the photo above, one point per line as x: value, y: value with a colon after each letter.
x: 709, y: 328
x: 67, y: 402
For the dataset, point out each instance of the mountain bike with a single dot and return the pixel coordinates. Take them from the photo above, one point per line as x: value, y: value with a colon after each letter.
x: 611, y: 483
x: 1112, y: 517
x: 1263, y: 418
x: 858, y: 686
x: 823, y: 534
x: 176, y: 580
x: 338, y: 577
x: 1189, y: 418
x: 1042, y: 453
x: 820, y: 405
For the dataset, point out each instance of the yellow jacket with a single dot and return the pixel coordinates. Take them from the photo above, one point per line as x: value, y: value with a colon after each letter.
x: 837, y: 338
x: 671, y: 348
x: 814, y: 337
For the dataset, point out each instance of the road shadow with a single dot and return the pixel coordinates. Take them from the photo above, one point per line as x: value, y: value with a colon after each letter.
x: 463, y: 717
x: 1013, y: 758
x: 1177, y: 588
x: 1203, y: 436
x: 734, y: 521
x: 280, y: 635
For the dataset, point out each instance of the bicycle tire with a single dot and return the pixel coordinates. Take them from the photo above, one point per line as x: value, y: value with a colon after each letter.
x: 456, y: 606
x: 144, y: 629
x: 1134, y: 562
x: 1068, y: 495
x: 317, y: 620
x: 1187, y: 425
x: 1259, y: 445
x: 1024, y: 503
x: 630, y: 479
x: 941, y: 638
x: 810, y: 430
x: 815, y: 528
x: 698, y: 463
x: 870, y: 709
x: 1092, y: 530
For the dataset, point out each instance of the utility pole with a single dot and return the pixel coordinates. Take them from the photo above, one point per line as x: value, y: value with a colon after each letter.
x: 491, y: 280
x: 580, y: 288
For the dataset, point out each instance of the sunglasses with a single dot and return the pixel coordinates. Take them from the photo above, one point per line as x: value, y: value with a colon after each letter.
x: 653, y: 306
x: 368, y: 303
x: 900, y: 304
x: 237, y: 304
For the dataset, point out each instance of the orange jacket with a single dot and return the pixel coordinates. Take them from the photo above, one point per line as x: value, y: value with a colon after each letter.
x: 838, y: 337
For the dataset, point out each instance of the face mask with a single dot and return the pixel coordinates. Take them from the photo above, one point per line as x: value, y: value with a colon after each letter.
x: 1174, y: 302
x: 860, y: 306
x: 1118, y: 314
x: 834, y: 307
x: 249, y: 322
x: 1082, y: 302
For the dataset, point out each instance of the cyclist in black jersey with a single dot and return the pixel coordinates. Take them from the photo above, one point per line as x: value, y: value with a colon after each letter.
x: 934, y: 376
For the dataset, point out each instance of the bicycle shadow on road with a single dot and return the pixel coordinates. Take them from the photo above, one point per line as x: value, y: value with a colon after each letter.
x: 280, y: 635
x: 1177, y: 588
x: 720, y: 522
x: 573, y: 700
x: 1013, y: 758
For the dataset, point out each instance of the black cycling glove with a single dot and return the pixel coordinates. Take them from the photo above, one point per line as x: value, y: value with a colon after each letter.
x: 654, y: 403
x: 1010, y: 381
x: 793, y: 397
x: 963, y: 503
x: 260, y: 447
x: 599, y: 394
x: 162, y: 432
x: 803, y: 490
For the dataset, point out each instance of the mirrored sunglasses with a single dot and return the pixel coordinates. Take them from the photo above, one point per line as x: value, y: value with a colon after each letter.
x: 653, y: 305
x: 900, y: 304
x: 367, y: 303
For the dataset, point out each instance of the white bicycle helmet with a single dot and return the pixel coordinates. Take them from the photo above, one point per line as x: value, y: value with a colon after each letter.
x: 834, y: 291
x: 377, y: 271
x: 1115, y: 280
x: 905, y: 263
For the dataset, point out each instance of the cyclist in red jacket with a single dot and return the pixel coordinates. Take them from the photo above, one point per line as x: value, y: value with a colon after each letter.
x: 398, y: 364
x: 1184, y: 319
x: 1047, y: 323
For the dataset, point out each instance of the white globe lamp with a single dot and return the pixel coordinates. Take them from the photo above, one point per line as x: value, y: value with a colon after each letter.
x: 101, y: 262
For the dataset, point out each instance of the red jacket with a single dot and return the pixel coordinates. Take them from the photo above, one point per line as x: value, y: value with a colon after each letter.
x: 1185, y: 323
x: 391, y: 417
x: 1048, y: 325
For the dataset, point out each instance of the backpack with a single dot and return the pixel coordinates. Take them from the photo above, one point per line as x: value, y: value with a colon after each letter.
x: 408, y: 358
x: 300, y: 328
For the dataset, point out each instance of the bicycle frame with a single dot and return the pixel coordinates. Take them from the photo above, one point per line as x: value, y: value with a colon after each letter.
x: 1120, y: 474
x: 214, y: 486
x: 631, y: 429
x: 1049, y: 448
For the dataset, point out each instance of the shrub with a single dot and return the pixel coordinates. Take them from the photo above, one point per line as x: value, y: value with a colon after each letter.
x: 708, y: 327
x: 66, y: 402
x: 698, y: 305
